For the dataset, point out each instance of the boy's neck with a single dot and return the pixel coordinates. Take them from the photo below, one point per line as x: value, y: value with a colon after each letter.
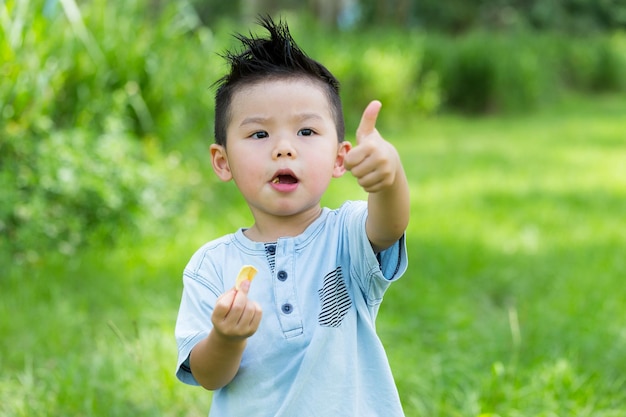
x: 271, y: 228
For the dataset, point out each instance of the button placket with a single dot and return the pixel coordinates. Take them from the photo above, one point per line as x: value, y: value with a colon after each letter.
x: 285, y: 290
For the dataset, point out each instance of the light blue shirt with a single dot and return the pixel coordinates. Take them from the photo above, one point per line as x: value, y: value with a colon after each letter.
x: 316, y: 352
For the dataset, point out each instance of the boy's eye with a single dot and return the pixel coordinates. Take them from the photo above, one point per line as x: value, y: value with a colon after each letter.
x: 306, y: 132
x: 259, y: 135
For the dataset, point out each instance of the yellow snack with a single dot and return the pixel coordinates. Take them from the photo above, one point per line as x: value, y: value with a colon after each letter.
x: 247, y: 272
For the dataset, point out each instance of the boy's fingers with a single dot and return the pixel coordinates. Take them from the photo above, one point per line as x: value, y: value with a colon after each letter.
x: 241, y: 296
x: 368, y: 120
x: 224, y: 304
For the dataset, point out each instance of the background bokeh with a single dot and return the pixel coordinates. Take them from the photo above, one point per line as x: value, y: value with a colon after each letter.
x: 510, y: 118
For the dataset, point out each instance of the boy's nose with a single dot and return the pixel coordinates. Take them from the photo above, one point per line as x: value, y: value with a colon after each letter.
x: 283, y: 149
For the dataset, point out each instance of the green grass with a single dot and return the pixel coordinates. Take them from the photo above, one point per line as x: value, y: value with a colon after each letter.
x: 513, y: 304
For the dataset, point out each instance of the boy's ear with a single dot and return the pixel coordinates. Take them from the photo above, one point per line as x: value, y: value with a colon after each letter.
x: 219, y: 160
x: 342, y: 151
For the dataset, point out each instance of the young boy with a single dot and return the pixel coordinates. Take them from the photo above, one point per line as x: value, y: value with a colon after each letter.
x: 300, y: 340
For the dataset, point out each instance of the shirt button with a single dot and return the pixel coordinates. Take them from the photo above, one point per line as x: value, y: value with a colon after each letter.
x: 271, y: 249
x: 287, y: 308
x: 282, y: 275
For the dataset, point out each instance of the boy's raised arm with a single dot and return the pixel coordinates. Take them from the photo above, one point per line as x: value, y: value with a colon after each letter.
x: 376, y: 165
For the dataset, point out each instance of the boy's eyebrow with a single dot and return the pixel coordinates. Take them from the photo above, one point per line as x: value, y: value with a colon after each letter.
x: 299, y: 117
x: 253, y: 120
x: 308, y: 116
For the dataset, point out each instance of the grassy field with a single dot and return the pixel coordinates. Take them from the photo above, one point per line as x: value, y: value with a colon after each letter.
x: 513, y: 304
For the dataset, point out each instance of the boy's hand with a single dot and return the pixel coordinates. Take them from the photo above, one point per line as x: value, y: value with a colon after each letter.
x: 235, y: 316
x: 373, y: 161
x: 215, y: 360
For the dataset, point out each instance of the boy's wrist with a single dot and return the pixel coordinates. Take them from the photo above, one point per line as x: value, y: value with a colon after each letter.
x: 226, y: 340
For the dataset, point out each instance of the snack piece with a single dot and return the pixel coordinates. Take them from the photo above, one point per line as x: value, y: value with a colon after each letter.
x: 247, y: 272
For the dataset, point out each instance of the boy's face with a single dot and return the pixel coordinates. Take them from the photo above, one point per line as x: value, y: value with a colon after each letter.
x: 282, y: 148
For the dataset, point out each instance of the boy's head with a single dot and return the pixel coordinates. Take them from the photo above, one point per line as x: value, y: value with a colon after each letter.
x: 270, y: 59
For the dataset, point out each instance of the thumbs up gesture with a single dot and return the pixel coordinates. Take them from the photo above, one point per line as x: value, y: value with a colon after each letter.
x: 373, y: 161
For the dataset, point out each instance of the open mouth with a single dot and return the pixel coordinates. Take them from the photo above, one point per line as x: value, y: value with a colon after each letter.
x: 284, y: 179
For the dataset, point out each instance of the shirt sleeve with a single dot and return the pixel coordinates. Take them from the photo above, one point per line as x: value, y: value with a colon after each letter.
x: 194, y: 317
x: 373, y: 272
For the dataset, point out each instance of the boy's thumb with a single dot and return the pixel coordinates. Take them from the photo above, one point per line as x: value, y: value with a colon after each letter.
x: 244, y: 286
x: 368, y: 120
x: 246, y: 274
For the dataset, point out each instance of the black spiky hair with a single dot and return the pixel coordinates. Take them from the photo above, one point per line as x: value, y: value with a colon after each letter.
x: 275, y: 57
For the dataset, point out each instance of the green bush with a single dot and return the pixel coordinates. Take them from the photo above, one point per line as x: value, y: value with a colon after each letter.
x: 595, y: 64
x: 469, y: 76
x: 80, y: 106
x: 484, y: 72
x: 104, y: 65
x: 525, y: 74
x: 72, y: 187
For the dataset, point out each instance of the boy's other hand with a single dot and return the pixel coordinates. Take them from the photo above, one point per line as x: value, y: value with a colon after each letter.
x: 235, y: 316
x: 373, y: 161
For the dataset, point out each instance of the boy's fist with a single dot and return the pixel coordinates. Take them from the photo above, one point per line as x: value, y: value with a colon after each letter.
x: 373, y: 161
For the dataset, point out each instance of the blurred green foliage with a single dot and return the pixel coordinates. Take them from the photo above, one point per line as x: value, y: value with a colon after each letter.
x: 100, y: 101
x: 495, y: 72
x: 72, y: 185
x: 445, y: 16
x: 571, y: 16
x: 85, y: 96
